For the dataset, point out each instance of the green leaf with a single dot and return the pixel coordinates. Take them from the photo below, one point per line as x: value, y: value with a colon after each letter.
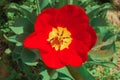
x: 63, y: 76
x: 100, y: 9
x: 108, y: 35
x: 28, y: 56
x: 118, y: 36
x: 26, y: 13
x: 27, y: 70
x: 32, y: 63
x: 15, y: 56
x: 16, y: 53
x: 8, y: 51
x: 54, y: 76
x: 106, y: 64
x: 109, y: 46
x: 25, y: 23
x: 86, y: 3
x: 115, y: 59
x: 13, y: 39
x: 103, y: 51
x: 13, y: 74
x: 43, y: 3
x: 17, y: 30
x: 5, y: 30
x: 63, y: 73
x: 75, y: 2
x: 84, y: 73
x: 91, y: 8
x: 103, y: 31
x: 45, y: 75
x: 61, y: 3
x: 32, y: 0
x: 21, y: 37
x: 99, y: 22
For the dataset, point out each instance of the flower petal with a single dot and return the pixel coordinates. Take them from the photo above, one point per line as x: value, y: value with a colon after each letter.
x: 43, y: 22
x: 85, y: 38
x: 87, y: 35
x: 82, y: 50
x: 46, y: 19
x: 50, y: 11
x: 93, y: 36
x: 70, y: 57
x: 36, y: 40
x: 32, y: 41
x: 71, y: 14
x: 51, y: 59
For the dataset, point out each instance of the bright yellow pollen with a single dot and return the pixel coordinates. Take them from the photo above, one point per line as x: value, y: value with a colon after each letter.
x: 59, y: 38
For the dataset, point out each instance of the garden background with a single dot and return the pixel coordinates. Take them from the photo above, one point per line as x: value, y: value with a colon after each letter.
x: 17, y: 18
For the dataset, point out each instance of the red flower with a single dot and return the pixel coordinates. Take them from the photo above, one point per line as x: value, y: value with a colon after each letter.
x: 63, y: 36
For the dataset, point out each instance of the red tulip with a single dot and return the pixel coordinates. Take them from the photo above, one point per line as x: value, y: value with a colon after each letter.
x: 62, y: 36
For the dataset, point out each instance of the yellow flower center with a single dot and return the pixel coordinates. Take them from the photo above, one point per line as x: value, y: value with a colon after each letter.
x: 59, y: 38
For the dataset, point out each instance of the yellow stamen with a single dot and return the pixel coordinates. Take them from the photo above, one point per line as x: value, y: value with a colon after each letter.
x: 59, y: 38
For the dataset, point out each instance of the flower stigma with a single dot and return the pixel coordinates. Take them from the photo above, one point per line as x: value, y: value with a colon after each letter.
x: 59, y: 38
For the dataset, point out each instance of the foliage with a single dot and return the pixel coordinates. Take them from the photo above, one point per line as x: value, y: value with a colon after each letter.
x: 23, y: 64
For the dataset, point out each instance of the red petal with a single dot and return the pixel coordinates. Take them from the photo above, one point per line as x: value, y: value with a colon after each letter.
x: 50, y: 11
x: 85, y: 38
x: 45, y: 19
x: 82, y: 50
x: 70, y: 57
x: 93, y: 36
x: 36, y: 40
x: 71, y: 14
x: 51, y: 59
x: 85, y: 34
x: 33, y: 40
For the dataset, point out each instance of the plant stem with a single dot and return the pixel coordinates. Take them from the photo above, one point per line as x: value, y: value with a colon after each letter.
x: 74, y: 73
x: 38, y: 6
